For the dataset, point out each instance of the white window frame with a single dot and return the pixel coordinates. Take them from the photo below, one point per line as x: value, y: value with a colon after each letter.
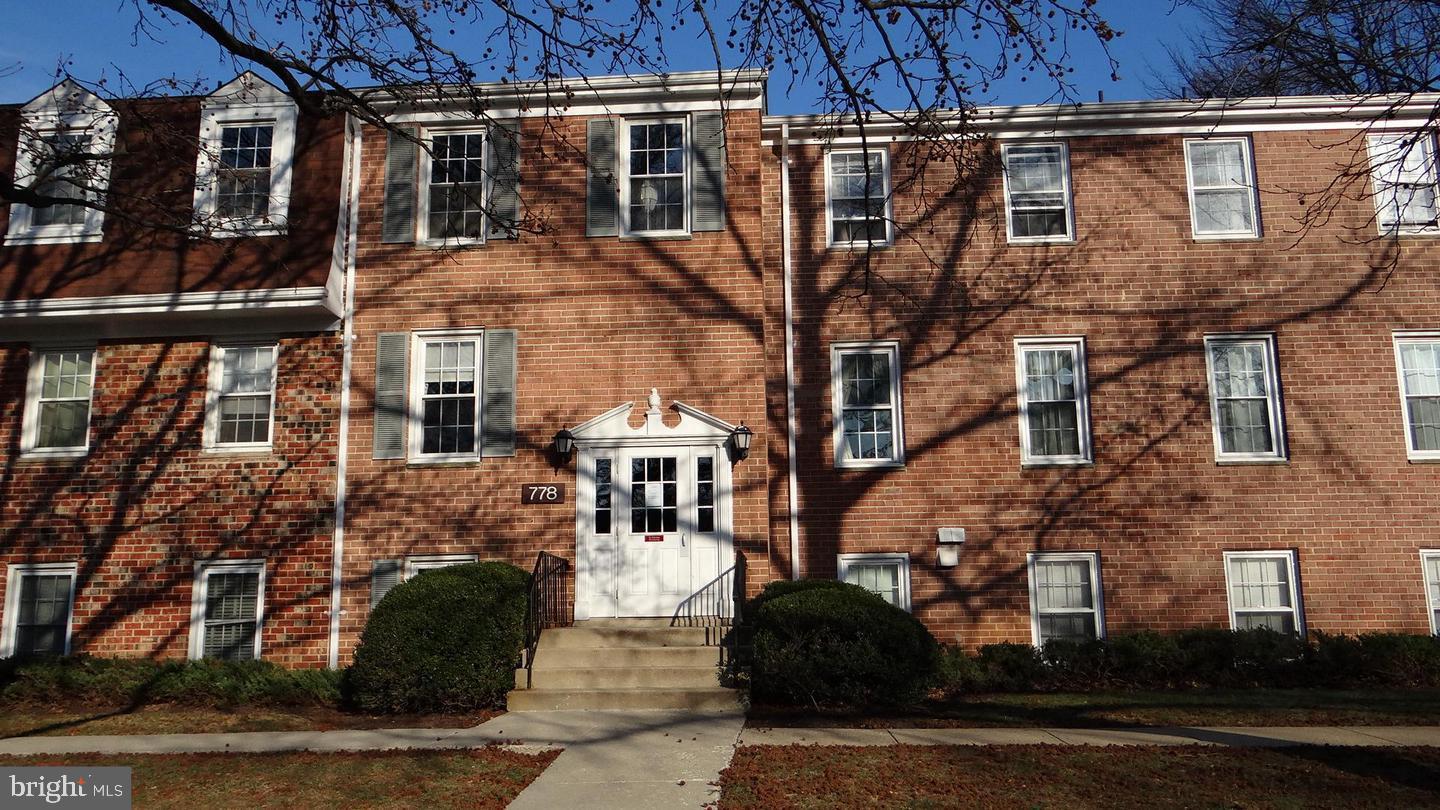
x: 1292, y: 573
x: 623, y: 175
x: 1274, y: 401
x: 1097, y: 590
x: 254, y: 104
x: 65, y: 109
x: 214, y: 380
x: 1252, y: 191
x: 30, y: 422
x: 1431, y: 603
x: 1069, y: 235
x: 422, y: 202
x: 837, y: 406
x: 12, y: 600
x: 1381, y: 151
x: 888, y: 213
x: 1400, y: 339
x: 430, y: 562
x: 844, y: 561
x: 200, y: 590
x: 415, y: 396
x: 1076, y: 344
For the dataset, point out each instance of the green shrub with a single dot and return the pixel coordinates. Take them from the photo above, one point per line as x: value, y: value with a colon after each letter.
x: 1144, y: 659
x: 785, y: 587
x: 1212, y: 657
x: 446, y: 640
x: 839, y: 645
x: 136, y: 681
x: 1011, y: 667
x: 1376, y: 659
x: 1073, y: 664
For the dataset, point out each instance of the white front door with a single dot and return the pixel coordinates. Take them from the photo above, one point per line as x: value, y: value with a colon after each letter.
x: 657, y: 497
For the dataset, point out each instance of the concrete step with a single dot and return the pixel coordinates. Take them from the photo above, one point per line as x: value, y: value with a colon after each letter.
x: 714, y: 698
x: 610, y: 636
x: 619, y: 678
x: 617, y: 657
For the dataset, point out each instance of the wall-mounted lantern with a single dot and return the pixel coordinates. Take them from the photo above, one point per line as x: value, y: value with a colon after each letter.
x: 740, y: 438
x: 564, y: 443
x: 950, y: 540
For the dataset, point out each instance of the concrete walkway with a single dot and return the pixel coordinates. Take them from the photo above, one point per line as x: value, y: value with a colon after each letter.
x: 1263, y: 737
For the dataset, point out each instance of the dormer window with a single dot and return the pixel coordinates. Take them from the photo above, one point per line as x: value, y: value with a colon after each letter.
x: 243, y: 168
x: 66, y: 137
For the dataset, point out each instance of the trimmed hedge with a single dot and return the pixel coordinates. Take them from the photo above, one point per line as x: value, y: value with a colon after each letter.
x: 826, y: 643
x: 446, y: 640
x: 1199, y: 658
x: 137, y: 681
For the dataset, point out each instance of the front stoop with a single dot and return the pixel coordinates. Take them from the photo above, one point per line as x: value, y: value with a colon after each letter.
x: 618, y: 664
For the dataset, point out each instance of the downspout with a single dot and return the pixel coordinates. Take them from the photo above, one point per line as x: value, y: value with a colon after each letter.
x: 792, y: 496
x: 351, y: 185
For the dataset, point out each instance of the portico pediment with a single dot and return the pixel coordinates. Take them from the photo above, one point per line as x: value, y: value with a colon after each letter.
x: 612, y: 428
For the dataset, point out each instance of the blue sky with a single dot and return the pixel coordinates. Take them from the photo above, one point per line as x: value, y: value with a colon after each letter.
x: 94, y: 38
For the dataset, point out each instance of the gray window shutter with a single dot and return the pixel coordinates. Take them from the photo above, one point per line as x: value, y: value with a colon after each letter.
x: 390, y: 367
x: 708, y: 181
x: 384, y: 575
x: 400, y: 153
x: 498, y: 419
x: 503, y: 195
x: 601, y: 197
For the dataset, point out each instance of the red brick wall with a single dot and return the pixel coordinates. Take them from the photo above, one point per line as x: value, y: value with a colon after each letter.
x: 1155, y: 505
x: 147, y: 503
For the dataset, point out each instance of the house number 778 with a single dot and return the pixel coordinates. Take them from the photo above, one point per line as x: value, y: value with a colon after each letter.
x: 542, y: 493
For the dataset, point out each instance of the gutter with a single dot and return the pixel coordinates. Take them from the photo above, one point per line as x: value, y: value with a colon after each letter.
x: 351, y: 185
x: 792, y: 497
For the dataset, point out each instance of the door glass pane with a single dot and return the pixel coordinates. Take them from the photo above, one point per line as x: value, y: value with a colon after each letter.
x: 602, y: 496
x: 654, y: 497
x: 705, y: 494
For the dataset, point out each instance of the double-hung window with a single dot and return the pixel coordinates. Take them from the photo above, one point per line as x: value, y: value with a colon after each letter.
x: 445, y: 398
x: 240, y: 413
x: 434, y: 562
x: 858, y: 184
x: 243, y: 173
x: 1038, y: 206
x: 1402, y: 166
x: 64, y: 148
x: 654, y: 195
x: 866, y: 404
x: 1065, y: 596
x: 243, y: 167
x: 228, y: 610
x: 39, y: 603
x: 1430, y: 569
x: 1417, y: 358
x: 453, y: 205
x: 1245, y: 398
x: 885, y: 575
x: 57, y: 402
x: 1222, y: 188
x: 1264, y: 591
x: 1054, y: 403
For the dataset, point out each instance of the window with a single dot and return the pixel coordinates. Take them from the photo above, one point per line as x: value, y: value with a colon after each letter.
x: 64, y: 147
x: 39, y: 604
x: 1037, y: 193
x: 1054, y: 406
x: 705, y: 494
x: 1065, y: 596
x: 445, y: 404
x: 654, y: 504
x: 227, y: 610
x: 243, y: 168
x: 858, y: 184
x: 1430, y: 568
x: 604, y: 491
x: 242, y: 192
x: 431, y: 562
x: 453, y: 205
x: 1245, y: 398
x: 1402, y: 166
x: 240, y: 411
x: 57, y: 402
x: 653, y: 194
x: 1222, y: 189
x: 1417, y: 358
x: 865, y: 381
x: 886, y: 575
x: 1264, y: 591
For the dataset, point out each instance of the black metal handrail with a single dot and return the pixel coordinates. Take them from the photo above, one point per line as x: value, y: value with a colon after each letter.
x: 547, y: 604
x: 718, y: 602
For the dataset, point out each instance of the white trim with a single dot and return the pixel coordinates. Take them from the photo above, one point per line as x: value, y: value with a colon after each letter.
x: 1375, y: 145
x: 888, y: 215
x: 34, y: 382
x: 66, y: 108
x: 247, y: 100
x: 422, y: 195
x: 214, y: 383
x: 1076, y: 346
x: 622, y: 175
x: 792, y: 497
x: 902, y: 560
x: 350, y: 220
x: 12, y: 601
x: 1069, y: 199
x: 1399, y: 339
x: 1292, y: 575
x: 1432, y: 603
x: 199, y: 590
x: 417, y: 563
x: 837, y: 351
x: 1097, y: 591
x: 414, y: 398
x: 1247, y: 161
x: 1274, y: 402
x: 102, y: 306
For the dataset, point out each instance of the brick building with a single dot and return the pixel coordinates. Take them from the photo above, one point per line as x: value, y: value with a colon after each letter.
x: 1119, y: 377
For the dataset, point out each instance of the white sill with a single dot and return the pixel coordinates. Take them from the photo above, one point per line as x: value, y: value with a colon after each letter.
x: 54, y: 239
x: 238, y: 232
x: 1410, y: 230
x: 860, y: 246
x: 1041, y: 240
x: 452, y: 461
x: 664, y: 236
x: 869, y: 465
x: 239, y: 450
x: 1423, y: 458
x: 1242, y: 460
x: 1227, y: 237
x: 59, y: 453
x: 449, y: 244
x: 1040, y: 463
